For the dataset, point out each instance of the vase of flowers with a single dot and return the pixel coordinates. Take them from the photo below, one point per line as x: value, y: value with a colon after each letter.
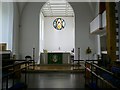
x: 88, y: 51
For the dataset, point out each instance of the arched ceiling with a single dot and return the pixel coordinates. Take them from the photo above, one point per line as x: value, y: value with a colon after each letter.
x: 21, y: 6
x: 57, y: 8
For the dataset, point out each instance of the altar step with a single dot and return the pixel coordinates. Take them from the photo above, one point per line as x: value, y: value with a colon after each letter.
x: 56, y: 68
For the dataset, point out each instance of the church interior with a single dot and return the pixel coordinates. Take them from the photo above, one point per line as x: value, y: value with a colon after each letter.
x: 59, y: 44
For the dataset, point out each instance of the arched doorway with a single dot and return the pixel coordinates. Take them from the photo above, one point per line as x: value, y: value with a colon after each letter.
x: 56, y: 29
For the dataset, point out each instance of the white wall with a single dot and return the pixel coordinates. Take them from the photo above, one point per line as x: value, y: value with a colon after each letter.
x: 29, y: 33
x: 59, y: 40
x: 41, y: 32
x: 97, y: 37
x: 10, y: 26
x: 41, y: 35
x: 97, y: 9
x: 16, y: 31
x: 93, y: 8
x: 7, y: 24
x: 98, y: 45
x: 83, y: 39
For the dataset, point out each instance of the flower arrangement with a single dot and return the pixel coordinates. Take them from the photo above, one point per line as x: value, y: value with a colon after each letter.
x: 88, y: 51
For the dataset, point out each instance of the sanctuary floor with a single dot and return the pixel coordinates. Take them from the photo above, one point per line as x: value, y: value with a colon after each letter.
x: 51, y: 80
x: 54, y: 77
x: 55, y: 80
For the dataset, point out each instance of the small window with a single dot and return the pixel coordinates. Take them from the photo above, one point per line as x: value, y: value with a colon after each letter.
x: 59, y: 23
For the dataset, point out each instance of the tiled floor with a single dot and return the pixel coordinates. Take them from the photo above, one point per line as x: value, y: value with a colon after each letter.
x: 55, y: 80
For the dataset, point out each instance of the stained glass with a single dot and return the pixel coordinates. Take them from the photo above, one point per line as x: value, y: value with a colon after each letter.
x: 59, y: 23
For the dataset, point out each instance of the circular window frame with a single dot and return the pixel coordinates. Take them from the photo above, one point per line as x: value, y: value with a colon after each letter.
x: 56, y: 22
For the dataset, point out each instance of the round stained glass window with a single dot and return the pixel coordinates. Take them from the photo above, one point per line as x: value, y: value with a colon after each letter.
x: 59, y: 23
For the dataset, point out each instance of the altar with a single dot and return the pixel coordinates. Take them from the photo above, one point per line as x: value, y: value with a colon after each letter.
x: 55, y: 57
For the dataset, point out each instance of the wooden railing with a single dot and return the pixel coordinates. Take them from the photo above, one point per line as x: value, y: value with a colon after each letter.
x: 97, y: 77
x: 80, y: 63
x: 12, y: 70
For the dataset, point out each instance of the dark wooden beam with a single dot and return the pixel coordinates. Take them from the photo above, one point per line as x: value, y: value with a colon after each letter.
x: 111, y: 30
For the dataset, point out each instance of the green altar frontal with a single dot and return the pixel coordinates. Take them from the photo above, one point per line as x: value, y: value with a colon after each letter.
x: 55, y: 58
